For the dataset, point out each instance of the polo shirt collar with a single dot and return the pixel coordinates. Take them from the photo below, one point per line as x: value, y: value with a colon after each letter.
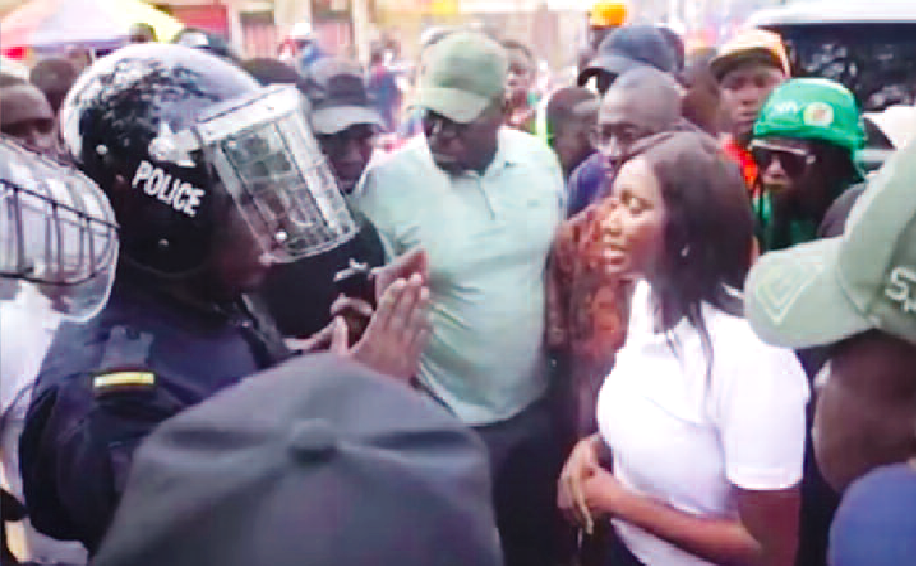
x: 506, y: 156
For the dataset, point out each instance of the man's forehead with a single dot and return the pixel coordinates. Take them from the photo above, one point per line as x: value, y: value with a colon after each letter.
x: 752, y: 69
x: 616, y: 119
x: 787, y: 143
x: 21, y: 103
x: 629, y: 108
x: 876, y: 361
x: 615, y: 103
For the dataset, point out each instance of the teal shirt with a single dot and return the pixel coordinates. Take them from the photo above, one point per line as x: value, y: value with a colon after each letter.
x: 487, y: 237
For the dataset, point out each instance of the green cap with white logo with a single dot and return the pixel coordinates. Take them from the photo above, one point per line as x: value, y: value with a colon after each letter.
x: 462, y: 74
x: 824, y: 291
x: 813, y: 109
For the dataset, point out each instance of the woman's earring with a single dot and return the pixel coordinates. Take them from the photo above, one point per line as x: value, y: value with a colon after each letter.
x: 685, y: 251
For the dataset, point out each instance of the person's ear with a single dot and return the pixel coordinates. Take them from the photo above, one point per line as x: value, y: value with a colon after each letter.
x: 502, y: 103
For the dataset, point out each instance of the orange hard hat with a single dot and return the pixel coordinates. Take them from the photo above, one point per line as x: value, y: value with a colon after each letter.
x: 608, y: 14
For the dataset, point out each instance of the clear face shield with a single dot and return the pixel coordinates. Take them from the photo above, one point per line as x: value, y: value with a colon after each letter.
x: 57, y: 232
x: 266, y: 156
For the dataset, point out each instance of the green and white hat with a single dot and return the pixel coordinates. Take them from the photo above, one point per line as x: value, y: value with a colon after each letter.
x: 461, y: 75
x: 824, y: 291
x: 813, y: 109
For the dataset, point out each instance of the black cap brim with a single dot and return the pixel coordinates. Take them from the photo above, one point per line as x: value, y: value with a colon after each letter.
x: 611, y: 63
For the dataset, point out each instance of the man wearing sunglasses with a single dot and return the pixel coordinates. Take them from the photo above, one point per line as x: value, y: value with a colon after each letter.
x: 484, y: 201
x: 804, y: 146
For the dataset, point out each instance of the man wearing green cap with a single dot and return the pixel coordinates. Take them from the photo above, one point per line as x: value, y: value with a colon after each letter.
x: 805, y: 144
x: 484, y: 201
x: 857, y: 294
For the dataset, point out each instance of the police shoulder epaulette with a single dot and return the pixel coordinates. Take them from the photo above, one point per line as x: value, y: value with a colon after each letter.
x: 124, y: 364
x: 123, y: 380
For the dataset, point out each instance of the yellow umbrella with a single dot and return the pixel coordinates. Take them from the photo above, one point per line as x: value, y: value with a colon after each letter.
x: 134, y: 12
x: 48, y: 23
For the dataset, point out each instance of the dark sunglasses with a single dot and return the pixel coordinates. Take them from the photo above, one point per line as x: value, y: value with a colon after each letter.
x: 793, y: 161
x: 437, y: 124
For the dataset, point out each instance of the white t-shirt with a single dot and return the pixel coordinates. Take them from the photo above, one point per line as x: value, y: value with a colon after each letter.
x: 684, y: 439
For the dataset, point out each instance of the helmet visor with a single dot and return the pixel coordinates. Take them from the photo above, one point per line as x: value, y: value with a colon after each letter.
x: 271, y: 165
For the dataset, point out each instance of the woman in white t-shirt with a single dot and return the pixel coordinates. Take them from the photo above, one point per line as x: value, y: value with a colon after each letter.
x: 705, y: 423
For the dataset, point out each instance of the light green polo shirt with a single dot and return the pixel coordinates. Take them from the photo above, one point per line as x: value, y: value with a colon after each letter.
x: 487, y: 237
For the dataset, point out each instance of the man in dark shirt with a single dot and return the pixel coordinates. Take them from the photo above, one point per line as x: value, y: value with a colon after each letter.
x: 642, y: 102
x: 624, y: 49
x: 299, y: 295
x: 571, y: 115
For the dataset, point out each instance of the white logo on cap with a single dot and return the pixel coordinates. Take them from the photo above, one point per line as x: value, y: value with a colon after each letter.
x: 900, y: 286
x: 778, y: 289
x: 786, y: 107
x: 818, y: 114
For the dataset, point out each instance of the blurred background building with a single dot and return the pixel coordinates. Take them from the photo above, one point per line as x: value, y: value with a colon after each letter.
x: 553, y: 28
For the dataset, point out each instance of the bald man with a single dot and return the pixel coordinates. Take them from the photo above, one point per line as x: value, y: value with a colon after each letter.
x: 642, y: 102
x: 26, y: 115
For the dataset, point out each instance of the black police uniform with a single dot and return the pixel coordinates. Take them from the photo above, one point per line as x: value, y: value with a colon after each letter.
x: 129, y: 123
x: 107, y: 383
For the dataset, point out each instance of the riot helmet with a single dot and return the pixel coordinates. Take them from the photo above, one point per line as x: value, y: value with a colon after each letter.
x: 57, y: 232
x: 180, y: 139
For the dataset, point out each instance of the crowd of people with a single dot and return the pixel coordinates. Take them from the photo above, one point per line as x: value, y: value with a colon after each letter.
x: 662, y: 316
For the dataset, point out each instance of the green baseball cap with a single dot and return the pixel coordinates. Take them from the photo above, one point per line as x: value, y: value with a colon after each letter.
x: 813, y: 109
x: 461, y: 75
x: 824, y: 291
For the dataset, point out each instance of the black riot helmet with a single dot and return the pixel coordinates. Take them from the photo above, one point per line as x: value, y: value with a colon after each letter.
x: 180, y: 139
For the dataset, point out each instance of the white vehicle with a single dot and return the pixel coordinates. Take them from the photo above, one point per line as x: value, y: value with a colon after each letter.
x: 867, y: 45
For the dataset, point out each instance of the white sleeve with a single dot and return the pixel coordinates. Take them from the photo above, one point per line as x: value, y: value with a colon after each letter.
x: 27, y: 327
x: 761, y: 394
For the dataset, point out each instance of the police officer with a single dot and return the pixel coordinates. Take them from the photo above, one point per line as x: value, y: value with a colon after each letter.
x: 212, y: 178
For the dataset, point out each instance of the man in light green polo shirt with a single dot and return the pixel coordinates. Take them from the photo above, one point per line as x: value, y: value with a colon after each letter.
x: 484, y: 202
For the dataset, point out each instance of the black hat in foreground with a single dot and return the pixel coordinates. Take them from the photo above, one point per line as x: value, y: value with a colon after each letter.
x: 319, y: 461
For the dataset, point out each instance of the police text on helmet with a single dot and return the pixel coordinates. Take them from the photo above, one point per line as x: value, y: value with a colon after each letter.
x: 182, y: 196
